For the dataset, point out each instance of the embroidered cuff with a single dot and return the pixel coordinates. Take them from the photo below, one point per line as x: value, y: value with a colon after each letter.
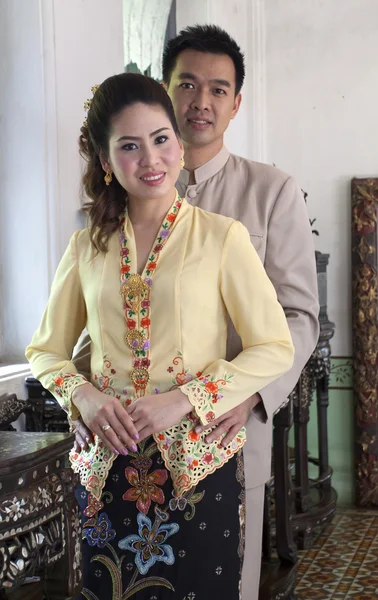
x: 63, y: 385
x: 189, y: 458
x: 204, y: 394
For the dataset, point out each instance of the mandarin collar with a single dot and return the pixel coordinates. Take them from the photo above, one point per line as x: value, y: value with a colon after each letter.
x: 208, y: 170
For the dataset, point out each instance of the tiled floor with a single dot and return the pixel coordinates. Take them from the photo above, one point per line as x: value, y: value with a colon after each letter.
x: 343, y: 563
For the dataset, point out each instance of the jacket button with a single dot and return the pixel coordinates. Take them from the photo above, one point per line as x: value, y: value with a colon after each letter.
x: 192, y: 193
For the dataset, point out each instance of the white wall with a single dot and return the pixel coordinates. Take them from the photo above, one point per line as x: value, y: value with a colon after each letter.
x: 51, y: 52
x: 309, y: 106
x: 23, y: 236
x: 322, y: 120
x: 236, y: 17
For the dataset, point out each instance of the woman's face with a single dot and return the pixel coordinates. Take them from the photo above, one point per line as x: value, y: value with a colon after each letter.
x: 144, y: 152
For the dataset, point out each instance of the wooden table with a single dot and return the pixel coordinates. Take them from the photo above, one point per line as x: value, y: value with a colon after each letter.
x: 39, y: 515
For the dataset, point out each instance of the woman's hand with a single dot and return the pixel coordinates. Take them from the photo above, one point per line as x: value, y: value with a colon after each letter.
x: 99, y: 411
x: 152, y: 414
x: 231, y: 422
x: 83, y: 436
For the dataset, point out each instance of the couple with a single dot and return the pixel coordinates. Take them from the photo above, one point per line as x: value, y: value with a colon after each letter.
x: 181, y: 424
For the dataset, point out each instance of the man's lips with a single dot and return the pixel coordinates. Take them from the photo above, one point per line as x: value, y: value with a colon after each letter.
x: 200, y: 121
x: 199, y: 124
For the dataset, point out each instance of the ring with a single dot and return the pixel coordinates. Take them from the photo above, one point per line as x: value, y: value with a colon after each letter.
x: 105, y: 427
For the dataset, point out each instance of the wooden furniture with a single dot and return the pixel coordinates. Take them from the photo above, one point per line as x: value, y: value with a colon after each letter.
x: 296, y: 506
x: 10, y: 409
x: 44, y: 413
x: 365, y: 336
x: 39, y: 515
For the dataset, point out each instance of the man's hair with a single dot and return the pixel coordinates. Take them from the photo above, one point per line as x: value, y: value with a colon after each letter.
x: 208, y: 39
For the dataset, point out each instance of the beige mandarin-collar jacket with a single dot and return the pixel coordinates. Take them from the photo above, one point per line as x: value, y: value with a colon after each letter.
x: 271, y: 206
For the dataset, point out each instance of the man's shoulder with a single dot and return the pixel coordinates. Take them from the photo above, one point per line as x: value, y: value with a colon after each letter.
x: 257, y: 171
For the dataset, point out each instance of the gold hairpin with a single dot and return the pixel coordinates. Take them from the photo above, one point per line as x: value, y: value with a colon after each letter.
x: 88, y: 102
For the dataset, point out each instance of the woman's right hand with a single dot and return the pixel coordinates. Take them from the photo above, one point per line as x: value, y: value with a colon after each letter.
x: 99, y: 410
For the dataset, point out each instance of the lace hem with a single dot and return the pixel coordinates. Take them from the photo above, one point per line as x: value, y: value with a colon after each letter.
x: 63, y: 385
x: 204, y: 393
x: 187, y: 456
x: 93, y: 466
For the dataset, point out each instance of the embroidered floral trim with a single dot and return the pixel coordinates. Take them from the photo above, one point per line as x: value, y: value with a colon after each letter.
x: 204, y: 392
x: 136, y: 294
x: 63, y: 385
x: 94, y: 464
x: 185, y: 453
x: 182, y: 376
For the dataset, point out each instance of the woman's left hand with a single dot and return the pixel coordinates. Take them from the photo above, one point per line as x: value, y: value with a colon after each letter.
x: 152, y: 414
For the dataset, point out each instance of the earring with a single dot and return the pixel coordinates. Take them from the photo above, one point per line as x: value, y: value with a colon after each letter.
x: 108, y: 177
x: 182, y: 162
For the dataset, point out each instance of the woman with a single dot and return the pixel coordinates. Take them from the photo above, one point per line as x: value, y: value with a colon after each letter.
x: 153, y: 280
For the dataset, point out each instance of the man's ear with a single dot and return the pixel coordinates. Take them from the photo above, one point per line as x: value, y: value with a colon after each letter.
x: 237, y: 102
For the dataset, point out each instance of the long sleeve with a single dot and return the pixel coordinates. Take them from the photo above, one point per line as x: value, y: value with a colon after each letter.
x: 50, y: 350
x: 290, y: 265
x: 258, y: 318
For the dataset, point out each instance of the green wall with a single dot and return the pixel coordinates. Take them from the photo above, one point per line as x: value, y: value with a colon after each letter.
x: 340, y: 429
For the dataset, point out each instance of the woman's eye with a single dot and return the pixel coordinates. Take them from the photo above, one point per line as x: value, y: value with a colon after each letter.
x: 129, y: 147
x: 161, y: 139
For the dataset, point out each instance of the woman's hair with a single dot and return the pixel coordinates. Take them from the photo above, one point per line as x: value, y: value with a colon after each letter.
x: 107, y: 203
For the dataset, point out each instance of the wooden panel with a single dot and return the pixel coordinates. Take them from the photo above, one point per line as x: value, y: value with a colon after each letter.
x: 365, y: 336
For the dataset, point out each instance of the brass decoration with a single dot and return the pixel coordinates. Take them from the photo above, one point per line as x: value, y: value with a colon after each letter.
x: 140, y: 377
x: 134, y: 291
x: 365, y: 336
x: 134, y: 339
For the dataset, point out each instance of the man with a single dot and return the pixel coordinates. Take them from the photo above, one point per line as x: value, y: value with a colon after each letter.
x: 203, y: 72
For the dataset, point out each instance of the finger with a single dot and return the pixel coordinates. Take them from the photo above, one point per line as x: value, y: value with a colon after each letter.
x: 80, y: 441
x: 145, y: 433
x: 200, y: 428
x: 219, y: 431
x: 118, y: 434
x: 127, y: 422
x: 85, y: 433
x: 111, y: 439
x: 77, y: 447
x: 233, y: 432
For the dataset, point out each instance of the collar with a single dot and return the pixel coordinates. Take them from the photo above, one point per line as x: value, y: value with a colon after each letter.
x: 208, y: 170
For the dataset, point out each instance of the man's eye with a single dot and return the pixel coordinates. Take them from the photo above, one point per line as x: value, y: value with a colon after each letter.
x: 187, y: 86
x: 219, y: 92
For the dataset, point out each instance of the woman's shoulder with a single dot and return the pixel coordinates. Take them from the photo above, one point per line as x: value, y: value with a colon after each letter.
x: 219, y: 225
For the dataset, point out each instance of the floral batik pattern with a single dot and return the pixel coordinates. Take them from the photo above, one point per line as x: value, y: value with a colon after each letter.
x: 178, y: 547
x: 145, y: 486
x: 149, y: 544
x: 98, y: 531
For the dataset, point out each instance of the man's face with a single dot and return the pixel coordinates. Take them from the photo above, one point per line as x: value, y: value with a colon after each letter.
x: 202, y: 90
